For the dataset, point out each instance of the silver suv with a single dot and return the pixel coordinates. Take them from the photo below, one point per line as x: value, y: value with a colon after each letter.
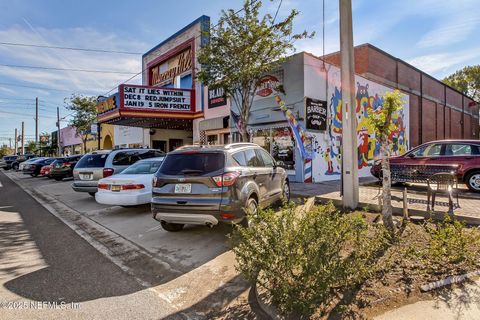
x: 103, y: 163
x: 205, y: 185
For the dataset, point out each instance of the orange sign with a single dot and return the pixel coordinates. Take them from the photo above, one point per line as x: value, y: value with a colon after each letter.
x: 106, y: 105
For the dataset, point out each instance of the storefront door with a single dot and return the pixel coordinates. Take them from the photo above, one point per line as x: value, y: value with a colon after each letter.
x: 159, y: 145
x: 174, y: 144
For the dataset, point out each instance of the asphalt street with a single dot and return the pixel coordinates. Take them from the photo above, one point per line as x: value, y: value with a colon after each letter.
x: 47, y: 270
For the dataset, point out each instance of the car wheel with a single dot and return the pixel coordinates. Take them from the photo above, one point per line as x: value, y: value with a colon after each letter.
x: 473, y: 181
x: 33, y: 174
x: 171, y: 227
x: 92, y: 194
x: 286, y: 192
x: 58, y: 178
x: 15, y: 167
x: 251, y: 207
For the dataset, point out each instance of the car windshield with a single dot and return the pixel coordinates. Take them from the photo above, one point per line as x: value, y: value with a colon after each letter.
x: 144, y: 167
x: 92, y: 161
x: 192, y: 163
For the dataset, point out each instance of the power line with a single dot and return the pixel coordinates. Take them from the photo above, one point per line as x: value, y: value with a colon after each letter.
x: 68, y: 48
x: 32, y: 87
x: 63, y: 69
x: 20, y: 114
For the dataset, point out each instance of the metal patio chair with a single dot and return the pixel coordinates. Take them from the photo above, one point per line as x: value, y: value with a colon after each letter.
x: 445, y: 183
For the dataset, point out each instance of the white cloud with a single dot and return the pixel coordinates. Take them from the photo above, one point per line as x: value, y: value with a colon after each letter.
x: 441, y: 62
x: 450, y: 31
x: 73, y: 37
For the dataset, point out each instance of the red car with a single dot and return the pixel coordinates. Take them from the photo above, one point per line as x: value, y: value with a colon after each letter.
x: 45, y: 171
x: 465, y: 154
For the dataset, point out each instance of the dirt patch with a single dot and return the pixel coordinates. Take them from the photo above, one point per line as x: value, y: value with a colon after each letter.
x: 417, y: 257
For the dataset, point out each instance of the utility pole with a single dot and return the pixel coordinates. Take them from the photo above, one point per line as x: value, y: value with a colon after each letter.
x: 59, y: 147
x: 16, y: 141
x: 23, y: 138
x: 36, y: 120
x: 10, y: 143
x: 349, y: 117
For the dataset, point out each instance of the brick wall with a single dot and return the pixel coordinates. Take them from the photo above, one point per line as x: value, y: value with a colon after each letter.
x: 441, y: 113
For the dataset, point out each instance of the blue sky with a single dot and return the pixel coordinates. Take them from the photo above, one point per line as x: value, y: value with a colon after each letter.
x: 437, y: 36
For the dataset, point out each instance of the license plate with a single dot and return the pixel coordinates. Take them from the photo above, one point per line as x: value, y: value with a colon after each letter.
x: 183, y: 188
x: 116, y: 188
x: 86, y: 176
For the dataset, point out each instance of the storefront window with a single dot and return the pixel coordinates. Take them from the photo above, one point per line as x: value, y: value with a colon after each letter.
x: 212, y: 139
x: 283, y: 147
x: 279, y: 142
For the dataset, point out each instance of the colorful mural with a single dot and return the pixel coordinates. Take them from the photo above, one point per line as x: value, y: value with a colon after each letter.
x: 368, y: 146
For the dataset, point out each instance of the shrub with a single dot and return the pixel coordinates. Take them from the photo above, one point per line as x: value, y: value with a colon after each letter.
x: 450, y: 242
x: 304, y: 261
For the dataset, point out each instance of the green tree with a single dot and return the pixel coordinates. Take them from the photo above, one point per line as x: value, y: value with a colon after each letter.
x: 5, y: 151
x: 31, y: 147
x: 242, y: 48
x: 383, y: 126
x: 466, y: 80
x: 84, y: 115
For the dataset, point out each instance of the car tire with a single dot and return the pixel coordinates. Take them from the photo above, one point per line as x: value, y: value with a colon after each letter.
x: 251, y: 205
x: 286, y: 192
x: 171, y: 227
x: 15, y: 167
x: 92, y: 194
x: 58, y: 178
x: 34, y: 174
x: 471, y: 181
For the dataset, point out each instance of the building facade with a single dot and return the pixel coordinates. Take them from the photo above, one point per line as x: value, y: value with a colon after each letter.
x: 165, y: 111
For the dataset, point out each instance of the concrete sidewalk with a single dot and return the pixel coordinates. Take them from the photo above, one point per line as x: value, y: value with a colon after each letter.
x: 369, y: 194
x: 460, y: 304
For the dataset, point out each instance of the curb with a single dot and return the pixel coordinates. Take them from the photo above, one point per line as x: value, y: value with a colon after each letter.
x: 269, y: 310
x: 85, y: 227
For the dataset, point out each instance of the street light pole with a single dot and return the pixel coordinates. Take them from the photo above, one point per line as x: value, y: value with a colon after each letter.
x: 349, y: 119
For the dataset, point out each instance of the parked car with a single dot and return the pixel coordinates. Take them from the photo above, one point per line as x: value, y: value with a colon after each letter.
x: 33, y: 167
x: 131, y: 187
x: 28, y: 161
x: 6, y: 162
x: 104, y: 163
x: 21, y: 158
x: 63, y: 167
x: 45, y: 170
x: 205, y: 185
x: 464, y: 153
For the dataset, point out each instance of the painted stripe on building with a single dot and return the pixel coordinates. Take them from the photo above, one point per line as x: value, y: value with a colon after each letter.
x: 308, y: 171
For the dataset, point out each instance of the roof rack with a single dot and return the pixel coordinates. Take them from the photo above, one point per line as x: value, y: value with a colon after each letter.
x: 240, y: 144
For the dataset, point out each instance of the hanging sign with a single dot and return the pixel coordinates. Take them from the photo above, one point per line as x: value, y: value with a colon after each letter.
x: 216, y: 97
x: 316, y: 114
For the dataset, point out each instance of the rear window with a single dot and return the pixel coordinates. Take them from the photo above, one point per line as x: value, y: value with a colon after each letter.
x: 92, y: 161
x: 192, y: 163
x: 143, y: 167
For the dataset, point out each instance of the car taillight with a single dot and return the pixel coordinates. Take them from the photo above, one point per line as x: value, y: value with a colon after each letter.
x: 103, y: 186
x: 132, y: 186
x: 107, y: 172
x: 227, y: 179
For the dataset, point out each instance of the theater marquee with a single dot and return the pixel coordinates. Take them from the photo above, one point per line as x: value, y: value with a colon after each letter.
x: 152, y: 98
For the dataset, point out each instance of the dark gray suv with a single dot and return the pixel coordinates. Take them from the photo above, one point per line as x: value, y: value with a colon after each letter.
x: 205, y: 185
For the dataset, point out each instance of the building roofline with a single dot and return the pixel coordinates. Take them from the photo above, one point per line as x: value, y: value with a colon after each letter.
x: 203, y: 19
x: 369, y: 45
